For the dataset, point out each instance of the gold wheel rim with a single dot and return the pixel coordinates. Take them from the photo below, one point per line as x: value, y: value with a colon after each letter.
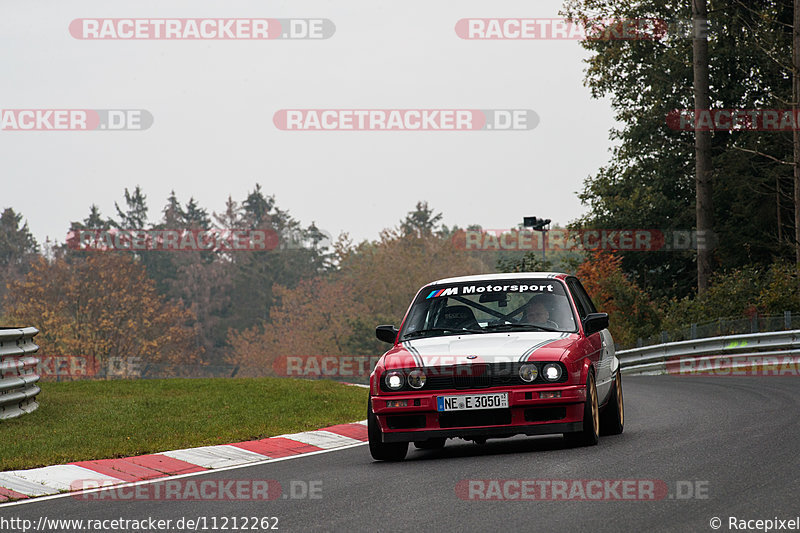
x: 595, y: 410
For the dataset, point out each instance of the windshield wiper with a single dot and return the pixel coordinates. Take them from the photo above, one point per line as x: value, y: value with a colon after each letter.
x: 439, y: 330
x: 521, y: 327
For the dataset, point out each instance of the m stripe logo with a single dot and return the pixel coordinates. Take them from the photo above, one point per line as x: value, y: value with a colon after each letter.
x: 442, y: 292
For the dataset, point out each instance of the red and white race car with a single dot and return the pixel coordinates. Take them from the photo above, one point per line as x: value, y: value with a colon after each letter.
x: 496, y: 355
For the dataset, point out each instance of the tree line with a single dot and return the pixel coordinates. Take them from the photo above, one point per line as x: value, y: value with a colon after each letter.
x: 250, y: 308
x: 740, y: 185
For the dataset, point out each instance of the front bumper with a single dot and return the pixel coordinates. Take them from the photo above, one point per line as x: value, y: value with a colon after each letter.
x: 527, y: 414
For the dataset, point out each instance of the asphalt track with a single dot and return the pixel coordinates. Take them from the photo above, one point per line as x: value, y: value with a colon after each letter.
x: 737, y: 439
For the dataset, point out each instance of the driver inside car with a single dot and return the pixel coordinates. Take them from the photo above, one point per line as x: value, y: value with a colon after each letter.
x: 536, y: 312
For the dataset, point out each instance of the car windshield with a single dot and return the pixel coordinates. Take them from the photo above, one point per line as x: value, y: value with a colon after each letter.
x: 490, y: 306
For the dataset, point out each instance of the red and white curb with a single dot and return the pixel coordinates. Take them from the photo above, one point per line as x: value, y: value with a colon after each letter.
x: 48, y: 480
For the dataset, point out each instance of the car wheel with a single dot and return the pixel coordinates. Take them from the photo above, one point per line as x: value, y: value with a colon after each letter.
x: 590, y: 434
x: 382, y: 451
x: 430, y: 444
x: 612, y: 419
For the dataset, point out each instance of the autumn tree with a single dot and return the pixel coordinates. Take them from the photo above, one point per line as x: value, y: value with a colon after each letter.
x: 223, y: 289
x: 256, y: 272
x: 314, y: 318
x: 101, y: 306
x: 631, y: 313
x: 336, y: 314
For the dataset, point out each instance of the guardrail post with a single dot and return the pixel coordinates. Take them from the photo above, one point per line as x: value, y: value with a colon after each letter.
x: 787, y: 319
x: 754, y: 323
x: 693, y: 331
x: 664, y: 337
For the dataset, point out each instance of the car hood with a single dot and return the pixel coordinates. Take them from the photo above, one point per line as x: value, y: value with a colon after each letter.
x: 479, y: 348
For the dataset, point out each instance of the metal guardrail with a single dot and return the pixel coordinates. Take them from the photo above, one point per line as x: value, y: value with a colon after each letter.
x: 654, y: 359
x: 18, y: 376
x: 723, y: 326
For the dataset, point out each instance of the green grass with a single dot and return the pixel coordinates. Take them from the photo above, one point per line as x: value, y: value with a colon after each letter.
x: 84, y: 420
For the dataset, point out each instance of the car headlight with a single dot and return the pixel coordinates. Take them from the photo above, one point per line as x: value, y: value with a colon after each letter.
x: 416, y: 379
x: 528, y: 373
x: 552, y: 372
x: 394, y: 379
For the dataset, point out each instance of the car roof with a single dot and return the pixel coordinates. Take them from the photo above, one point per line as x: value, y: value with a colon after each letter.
x: 498, y: 277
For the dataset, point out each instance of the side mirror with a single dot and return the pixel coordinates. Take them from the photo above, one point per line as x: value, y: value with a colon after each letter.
x: 595, y: 322
x: 386, y: 333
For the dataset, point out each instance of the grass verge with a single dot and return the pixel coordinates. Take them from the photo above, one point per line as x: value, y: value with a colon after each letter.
x: 83, y: 420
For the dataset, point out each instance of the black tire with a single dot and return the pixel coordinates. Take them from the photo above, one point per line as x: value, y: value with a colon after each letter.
x: 382, y: 451
x: 430, y: 444
x: 612, y: 419
x: 590, y: 434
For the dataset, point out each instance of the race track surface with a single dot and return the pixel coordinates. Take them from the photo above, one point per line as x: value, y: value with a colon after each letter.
x: 735, y: 440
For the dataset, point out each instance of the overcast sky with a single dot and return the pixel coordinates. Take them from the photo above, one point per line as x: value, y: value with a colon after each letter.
x: 213, y: 103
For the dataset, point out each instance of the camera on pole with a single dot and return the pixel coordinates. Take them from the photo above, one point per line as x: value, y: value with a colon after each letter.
x: 538, y: 224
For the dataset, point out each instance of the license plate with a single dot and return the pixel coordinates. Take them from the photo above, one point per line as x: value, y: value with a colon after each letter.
x: 465, y: 402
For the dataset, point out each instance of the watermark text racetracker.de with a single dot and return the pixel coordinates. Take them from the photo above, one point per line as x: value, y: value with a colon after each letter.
x: 731, y: 366
x: 318, y: 366
x: 203, y: 29
x: 580, y: 490
x: 198, y: 489
x: 186, y: 240
x: 774, y: 120
x: 75, y: 119
x: 405, y: 119
x: 558, y: 239
x: 70, y: 367
x: 602, y: 29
